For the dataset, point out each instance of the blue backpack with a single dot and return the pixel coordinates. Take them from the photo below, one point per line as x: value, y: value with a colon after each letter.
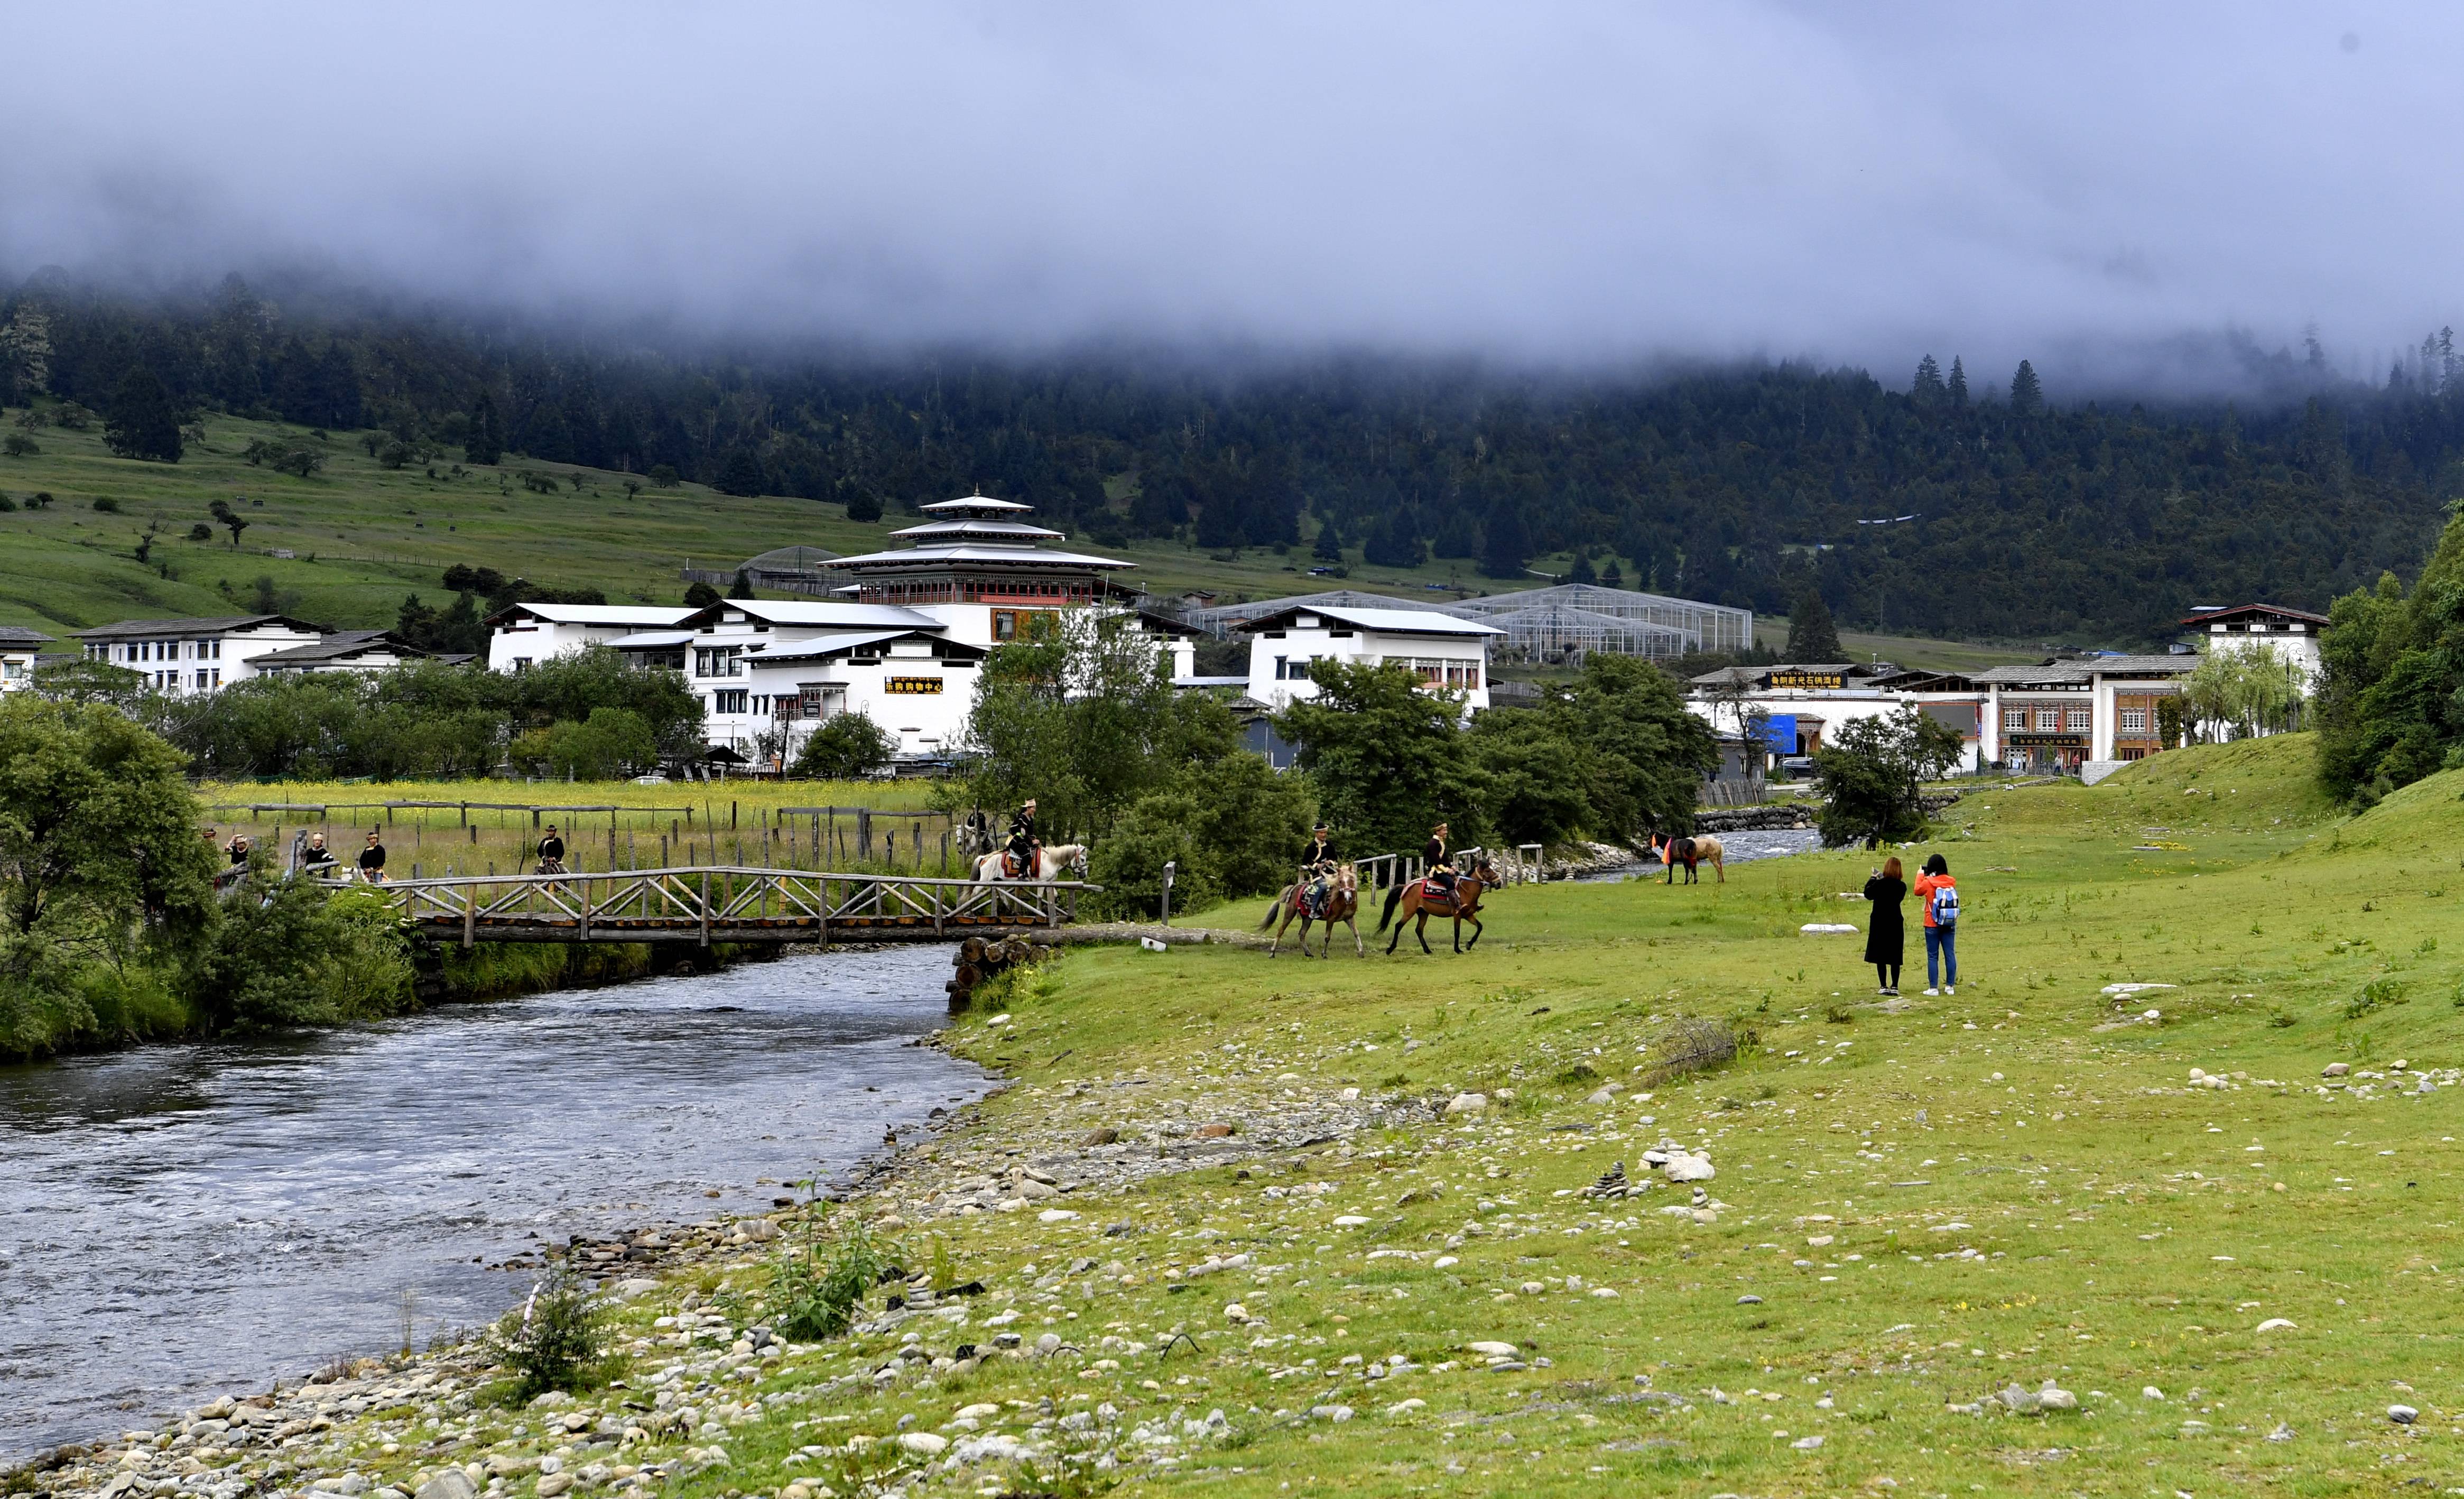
x: 1946, y: 905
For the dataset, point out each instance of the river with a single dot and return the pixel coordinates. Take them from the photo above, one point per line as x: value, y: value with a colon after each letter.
x: 1738, y: 847
x: 179, y: 1222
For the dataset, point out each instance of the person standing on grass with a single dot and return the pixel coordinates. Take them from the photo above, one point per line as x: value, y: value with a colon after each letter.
x: 1938, y: 898
x: 1886, y: 935
x: 372, y: 860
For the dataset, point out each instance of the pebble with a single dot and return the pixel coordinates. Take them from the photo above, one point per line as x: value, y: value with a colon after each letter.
x: 923, y: 1443
x: 2334, y: 1070
x: 1468, y: 1103
x: 2279, y: 1325
x: 1492, y: 1350
x: 1331, y: 1413
x: 2403, y: 1415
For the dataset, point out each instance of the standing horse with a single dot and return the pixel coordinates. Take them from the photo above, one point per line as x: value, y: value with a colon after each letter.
x: 975, y: 836
x: 1703, y: 848
x: 1419, y: 899
x: 1342, y: 904
x: 1058, y: 859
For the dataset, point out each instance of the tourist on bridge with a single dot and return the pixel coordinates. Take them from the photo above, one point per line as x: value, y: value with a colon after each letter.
x: 1317, y: 865
x: 551, y: 853
x: 372, y: 860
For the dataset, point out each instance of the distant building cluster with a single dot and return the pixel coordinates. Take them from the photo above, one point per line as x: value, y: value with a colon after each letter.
x: 898, y: 635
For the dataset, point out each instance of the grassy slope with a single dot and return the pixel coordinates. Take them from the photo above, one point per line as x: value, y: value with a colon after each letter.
x: 2122, y: 1228
x: 366, y: 537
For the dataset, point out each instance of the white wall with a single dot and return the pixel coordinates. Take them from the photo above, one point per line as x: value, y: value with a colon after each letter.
x: 1297, y: 647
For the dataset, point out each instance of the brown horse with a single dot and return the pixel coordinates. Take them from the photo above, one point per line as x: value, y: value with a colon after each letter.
x: 1417, y: 900
x: 1342, y: 904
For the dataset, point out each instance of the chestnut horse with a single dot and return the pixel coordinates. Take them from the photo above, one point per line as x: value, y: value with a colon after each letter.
x: 1418, y: 901
x: 1342, y: 904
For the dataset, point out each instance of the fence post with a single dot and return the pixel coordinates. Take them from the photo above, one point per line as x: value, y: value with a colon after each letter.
x: 470, y: 916
x: 704, y: 907
x: 1169, y: 866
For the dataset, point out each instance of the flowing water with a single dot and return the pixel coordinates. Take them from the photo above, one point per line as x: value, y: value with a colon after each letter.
x: 1738, y: 847
x: 177, y: 1221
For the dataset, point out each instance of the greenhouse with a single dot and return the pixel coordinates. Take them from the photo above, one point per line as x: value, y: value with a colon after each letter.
x: 1555, y: 632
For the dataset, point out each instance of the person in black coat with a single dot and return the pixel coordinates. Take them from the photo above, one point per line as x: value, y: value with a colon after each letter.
x: 1885, y: 932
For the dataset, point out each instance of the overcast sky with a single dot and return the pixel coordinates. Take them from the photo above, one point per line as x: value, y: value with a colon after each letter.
x: 1556, y: 181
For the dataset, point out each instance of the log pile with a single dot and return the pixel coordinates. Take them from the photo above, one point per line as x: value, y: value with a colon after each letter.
x: 979, y: 961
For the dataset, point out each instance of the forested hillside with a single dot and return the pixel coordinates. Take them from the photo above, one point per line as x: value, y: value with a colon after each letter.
x: 1954, y: 505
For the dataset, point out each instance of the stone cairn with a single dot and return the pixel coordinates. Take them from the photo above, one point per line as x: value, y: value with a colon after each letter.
x: 979, y: 960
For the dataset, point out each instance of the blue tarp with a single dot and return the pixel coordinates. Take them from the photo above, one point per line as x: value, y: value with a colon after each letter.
x: 1780, y: 733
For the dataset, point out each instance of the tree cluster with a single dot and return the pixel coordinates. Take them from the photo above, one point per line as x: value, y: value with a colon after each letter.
x: 1872, y: 772
x: 1609, y: 756
x: 2390, y: 702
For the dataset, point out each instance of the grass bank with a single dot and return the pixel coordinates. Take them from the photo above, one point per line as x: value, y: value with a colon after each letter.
x: 2237, y: 1271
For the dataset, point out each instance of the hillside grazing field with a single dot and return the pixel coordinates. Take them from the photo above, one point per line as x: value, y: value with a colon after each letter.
x: 366, y: 537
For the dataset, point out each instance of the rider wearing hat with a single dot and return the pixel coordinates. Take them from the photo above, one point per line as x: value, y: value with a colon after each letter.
x: 1318, y: 859
x: 1433, y: 861
x: 1023, y: 847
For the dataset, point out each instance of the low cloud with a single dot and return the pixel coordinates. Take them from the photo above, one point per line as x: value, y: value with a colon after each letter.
x: 2096, y: 187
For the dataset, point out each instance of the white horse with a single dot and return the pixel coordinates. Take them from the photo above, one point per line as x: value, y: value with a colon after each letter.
x: 1058, y: 859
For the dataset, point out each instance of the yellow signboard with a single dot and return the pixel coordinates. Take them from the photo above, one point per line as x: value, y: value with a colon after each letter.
x: 1806, y: 680
x: 913, y: 686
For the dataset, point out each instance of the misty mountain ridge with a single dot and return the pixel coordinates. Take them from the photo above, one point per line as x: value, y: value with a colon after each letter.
x: 2027, y: 514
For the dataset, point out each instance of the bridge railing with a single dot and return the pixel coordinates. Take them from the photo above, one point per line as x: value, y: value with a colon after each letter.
x: 729, y: 903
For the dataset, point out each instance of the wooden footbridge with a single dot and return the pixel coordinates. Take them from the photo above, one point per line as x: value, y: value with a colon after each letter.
x: 726, y: 903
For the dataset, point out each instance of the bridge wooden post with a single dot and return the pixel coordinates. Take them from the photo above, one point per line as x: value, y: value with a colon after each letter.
x: 585, y: 882
x: 470, y: 916
x: 704, y: 907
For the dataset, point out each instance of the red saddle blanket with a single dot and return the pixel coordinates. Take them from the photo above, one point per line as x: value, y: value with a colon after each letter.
x: 1431, y: 890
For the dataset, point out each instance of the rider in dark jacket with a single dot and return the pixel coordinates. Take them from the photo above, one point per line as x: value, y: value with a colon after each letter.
x: 1023, y: 844
x: 1317, y: 862
x: 1433, y: 861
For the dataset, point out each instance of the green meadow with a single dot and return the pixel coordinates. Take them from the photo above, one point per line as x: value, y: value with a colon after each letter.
x: 1916, y: 1205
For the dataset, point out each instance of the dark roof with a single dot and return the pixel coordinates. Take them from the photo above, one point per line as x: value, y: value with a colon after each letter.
x: 1166, y: 623
x: 20, y: 635
x: 340, y: 646
x: 2251, y: 611
x: 219, y: 626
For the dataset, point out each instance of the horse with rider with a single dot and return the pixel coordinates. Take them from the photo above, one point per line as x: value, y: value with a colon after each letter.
x: 1328, y: 891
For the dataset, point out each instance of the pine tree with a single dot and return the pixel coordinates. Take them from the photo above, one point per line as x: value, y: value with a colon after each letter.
x: 1613, y: 576
x: 485, y: 442
x: 1927, y: 389
x: 1509, y: 545
x: 740, y: 474
x: 1813, y: 639
x: 142, y: 424
x: 1582, y: 572
x: 1330, y: 544
x: 1958, y: 386
x: 2026, y: 396
x: 743, y: 588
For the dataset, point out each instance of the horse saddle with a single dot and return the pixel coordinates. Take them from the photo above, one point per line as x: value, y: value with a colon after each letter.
x: 1013, y: 867
x: 1432, y: 889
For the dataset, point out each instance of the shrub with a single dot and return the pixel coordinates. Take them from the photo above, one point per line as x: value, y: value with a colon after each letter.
x: 846, y: 746
x: 664, y: 475
x: 809, y: 1300
x: 1690, y: 1046
x: 106, y: 504
x: 201, y: 532
x: 2376, y: 993
x: 555, y: 1340
x: 17, y: 445
x: 7, y: 504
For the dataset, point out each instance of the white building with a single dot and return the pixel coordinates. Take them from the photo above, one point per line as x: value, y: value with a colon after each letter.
x: 342, y: 651
x: 1801, y: 706
x: 18, y: 647
x: 902, y: 647
x: 195, y: 656
x: 2293, y: 633
x: 1447, y: 653
x: 521, y: 635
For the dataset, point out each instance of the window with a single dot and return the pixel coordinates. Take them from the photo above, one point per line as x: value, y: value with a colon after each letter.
x: 719, y: 661
x: 2048, y: 720
x: 729, y: 699
x: 2014, y: 717
x: 2134, y: 720
x: 201, y: 681
x: 2075, y: 719
x: 1282, y: 668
